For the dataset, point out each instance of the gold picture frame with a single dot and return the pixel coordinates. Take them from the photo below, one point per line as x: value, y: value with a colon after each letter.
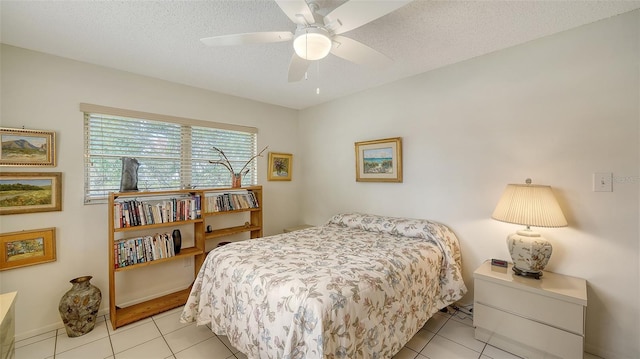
x: 29, y: 192
x: 280, y: 166
x: 379, y: 160
x: 26, y: 248
x: 32, y: 148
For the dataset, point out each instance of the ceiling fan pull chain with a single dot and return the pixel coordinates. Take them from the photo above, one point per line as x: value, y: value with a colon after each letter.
x: 318, y: 77
x: 306, y: 45
x: 306, y: 53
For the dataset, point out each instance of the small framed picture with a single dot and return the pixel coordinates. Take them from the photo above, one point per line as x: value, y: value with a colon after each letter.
x: 379, y: 160
x: 28, y: 192
x: 32, y: 148
x: 279, y: 166
x: 25, y: 248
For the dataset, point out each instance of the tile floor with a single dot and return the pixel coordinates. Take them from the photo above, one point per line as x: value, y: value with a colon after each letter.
x: 445, y: 336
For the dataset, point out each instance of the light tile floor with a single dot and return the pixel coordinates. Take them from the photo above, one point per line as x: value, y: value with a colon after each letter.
x: 445, y: 336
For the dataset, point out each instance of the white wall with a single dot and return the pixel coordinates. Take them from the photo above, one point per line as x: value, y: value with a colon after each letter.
x: 44, y: 92
x: 556, y: 110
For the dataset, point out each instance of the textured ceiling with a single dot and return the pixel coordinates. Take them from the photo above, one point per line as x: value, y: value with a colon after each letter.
x: 161, y: 39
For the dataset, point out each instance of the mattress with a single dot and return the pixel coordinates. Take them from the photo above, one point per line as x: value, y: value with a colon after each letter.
x: 359, y: 286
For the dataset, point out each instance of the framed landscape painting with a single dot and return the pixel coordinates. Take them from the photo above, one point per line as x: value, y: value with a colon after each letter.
x: 27, y: 148
x: 25, y: 248
x: 279, y: 166
x: 28, y: 192
x: 379, y: 160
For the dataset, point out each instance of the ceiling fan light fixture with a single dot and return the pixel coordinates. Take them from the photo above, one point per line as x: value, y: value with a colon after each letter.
x: 312, y: 43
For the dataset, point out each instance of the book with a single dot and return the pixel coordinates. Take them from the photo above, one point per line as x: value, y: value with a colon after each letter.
x: 230, y: 201
x: 136, y: 250
x: 152, y: 210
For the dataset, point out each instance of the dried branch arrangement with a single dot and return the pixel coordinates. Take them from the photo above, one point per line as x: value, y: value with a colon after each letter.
x: 224, y: 160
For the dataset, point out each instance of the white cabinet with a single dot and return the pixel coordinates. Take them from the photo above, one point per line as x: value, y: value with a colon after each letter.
x: 7, y: 325
x: 532, y: 318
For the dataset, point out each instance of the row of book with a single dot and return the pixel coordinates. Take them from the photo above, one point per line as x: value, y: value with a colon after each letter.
x: 230, y: 201
x: 151, y: 211
x: 132, y: 251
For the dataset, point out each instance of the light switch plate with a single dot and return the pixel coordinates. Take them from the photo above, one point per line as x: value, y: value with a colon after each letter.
x: 603, y: 182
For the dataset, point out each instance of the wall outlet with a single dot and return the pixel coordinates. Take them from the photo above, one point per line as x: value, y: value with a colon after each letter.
x: 603, y: 182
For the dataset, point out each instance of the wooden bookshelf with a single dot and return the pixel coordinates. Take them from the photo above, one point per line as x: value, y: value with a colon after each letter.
x: 126, y: 315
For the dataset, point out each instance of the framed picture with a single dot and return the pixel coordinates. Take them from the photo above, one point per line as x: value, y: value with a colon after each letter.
x: 25, y: 248
x: 379, y: 160
x: 279, y: 166
x: 28, y: 192
x: 27, y: 148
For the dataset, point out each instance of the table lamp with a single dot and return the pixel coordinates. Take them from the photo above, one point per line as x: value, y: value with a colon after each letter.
x: 529, y: 205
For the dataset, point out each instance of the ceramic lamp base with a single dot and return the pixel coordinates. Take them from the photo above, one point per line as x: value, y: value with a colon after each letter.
x: 529, y: 252
x: 520, y: 272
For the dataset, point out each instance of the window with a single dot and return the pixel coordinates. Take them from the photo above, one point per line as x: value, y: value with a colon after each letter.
x: 173, y: 152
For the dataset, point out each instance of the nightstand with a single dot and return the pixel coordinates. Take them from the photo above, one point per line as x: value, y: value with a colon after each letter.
x: 532, y: 318
x: 297, y: 228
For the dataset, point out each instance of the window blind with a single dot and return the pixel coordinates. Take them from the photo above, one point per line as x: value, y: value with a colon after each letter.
x: 171, y: 155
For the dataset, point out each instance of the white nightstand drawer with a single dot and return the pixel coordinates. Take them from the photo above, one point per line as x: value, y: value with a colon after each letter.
x: 540, y: 308
x: 532, y: 318
x: 524, y: 337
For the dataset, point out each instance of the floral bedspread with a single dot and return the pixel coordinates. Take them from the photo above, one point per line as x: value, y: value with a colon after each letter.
x: 358, y: 287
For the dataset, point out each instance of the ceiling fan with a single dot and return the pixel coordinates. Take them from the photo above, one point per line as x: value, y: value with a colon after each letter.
x: 317, y: 36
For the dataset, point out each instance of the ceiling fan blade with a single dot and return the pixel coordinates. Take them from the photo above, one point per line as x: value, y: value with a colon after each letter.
x: 358, y: 52
x: 297, y: 67
x: 297, y: 10
x: 248, y: 38
x: 355, y: 13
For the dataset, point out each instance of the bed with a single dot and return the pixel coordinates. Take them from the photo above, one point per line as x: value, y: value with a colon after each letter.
x: 359, y: 286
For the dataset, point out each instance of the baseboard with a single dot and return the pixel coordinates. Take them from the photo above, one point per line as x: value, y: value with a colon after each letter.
x: 102, y: 312
x: 52, y: 327
x: 593, y: 350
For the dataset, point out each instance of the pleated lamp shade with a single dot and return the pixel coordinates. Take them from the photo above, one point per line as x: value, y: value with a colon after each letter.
x: 529, y: 205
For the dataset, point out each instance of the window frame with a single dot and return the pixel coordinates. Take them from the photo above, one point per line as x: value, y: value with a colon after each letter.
x: 186, y: 155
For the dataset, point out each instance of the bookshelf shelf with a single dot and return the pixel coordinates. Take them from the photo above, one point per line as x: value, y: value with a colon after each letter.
x: 223, y: 232
x: 184, y: 253
x: 238, y: 201
x: 148, y: 308
x: 232, y: 211
x: 157, y: 225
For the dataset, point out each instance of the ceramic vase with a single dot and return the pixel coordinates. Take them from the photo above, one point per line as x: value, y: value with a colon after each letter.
x: 177, y: 241
x: 236, y: 180
x: 129, y: 176
x: 79, y: 306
